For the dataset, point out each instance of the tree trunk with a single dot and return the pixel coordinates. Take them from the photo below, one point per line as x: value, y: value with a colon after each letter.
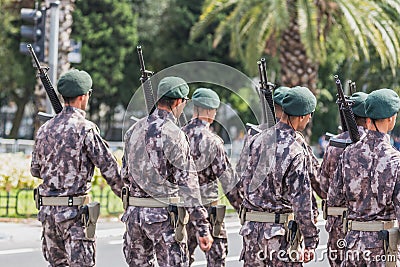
x: 296, y: 67
x: 65, y: 27
x: 21, y: 103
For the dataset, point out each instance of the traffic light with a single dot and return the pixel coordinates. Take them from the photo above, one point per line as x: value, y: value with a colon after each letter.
x: 34, y: 33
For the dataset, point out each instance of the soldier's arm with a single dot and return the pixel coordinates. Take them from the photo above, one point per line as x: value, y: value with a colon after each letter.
x: 323, y: 174
x: 300, y: 197
x: 178, y: 153
x: 101, y: 156
x: 222, y: 169
x: 396, y: 194
x: 35, y: 167
x: 336, y: 196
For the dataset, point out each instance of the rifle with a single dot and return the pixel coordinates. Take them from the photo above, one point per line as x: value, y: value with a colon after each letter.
x: 266, y: 94
x: 51, y: 93
x: 346, y: 113
x: 146, y: 82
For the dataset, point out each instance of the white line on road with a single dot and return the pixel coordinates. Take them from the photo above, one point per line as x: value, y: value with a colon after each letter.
x: 17, y: 251
x: 200, y: 263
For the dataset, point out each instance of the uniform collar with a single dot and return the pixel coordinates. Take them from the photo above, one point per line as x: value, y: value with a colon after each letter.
x: 69, y: 109
x: 164, y: 114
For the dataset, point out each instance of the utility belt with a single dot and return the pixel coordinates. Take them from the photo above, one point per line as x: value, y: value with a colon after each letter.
x: 178, y: 215
x: 388, y: 232
x: 293, y: 234
x: 59, y: 201
x: 90, y: 212
x: 331, y: 211
x: 262, y: 216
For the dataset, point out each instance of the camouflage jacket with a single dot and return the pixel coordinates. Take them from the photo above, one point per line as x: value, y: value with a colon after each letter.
x: 66, y: 150
x: 276, y: 180
x: 330, y: 162
x: 235, y: 196
x: 157, y: 163
x: 367, y: 181
x: 212, y: 163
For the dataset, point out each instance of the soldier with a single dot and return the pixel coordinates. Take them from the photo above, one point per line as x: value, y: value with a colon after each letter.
x: 275, y: 185
x: 279, y: 93
x: 367, y: 182
x: 313, y: 163
x: 329, y: 164
x: 163, y: 185
x: 66, y: 150
x: 212, y: 164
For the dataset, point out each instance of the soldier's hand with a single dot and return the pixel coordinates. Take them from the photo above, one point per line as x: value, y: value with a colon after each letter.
x: 205, y: 242
x: 308, y: 254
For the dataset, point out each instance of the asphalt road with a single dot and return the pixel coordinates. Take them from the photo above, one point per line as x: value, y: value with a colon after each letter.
x: 20, y: 244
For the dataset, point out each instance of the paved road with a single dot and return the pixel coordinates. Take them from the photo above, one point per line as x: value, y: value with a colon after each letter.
x: 20, y: 244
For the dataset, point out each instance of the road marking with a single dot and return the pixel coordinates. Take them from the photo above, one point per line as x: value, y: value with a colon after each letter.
x: 200, y: 263
x: 115, y: 242
x: 17, y: 251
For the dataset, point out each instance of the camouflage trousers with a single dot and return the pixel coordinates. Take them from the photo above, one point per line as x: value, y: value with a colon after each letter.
x: 64, y: 243
x: 216, y: 255
x: 365, y: 249
x: 335, y: 244
x: 259, y: 251
x: 145, y: 238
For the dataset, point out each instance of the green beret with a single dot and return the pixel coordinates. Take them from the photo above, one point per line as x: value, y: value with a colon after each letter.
x: 279, y: 94
x: 205, y: 98
x: 299, y: 101
x: 358, y: 106
x: 74, y: 83
x: 173, y: 87
x: 382, y: 104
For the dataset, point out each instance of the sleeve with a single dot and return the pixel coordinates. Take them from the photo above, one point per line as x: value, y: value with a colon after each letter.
x: 101, y: 156
x: 178, y: 153
x: 336, y: 196
x: 301, y: 199
x: 35, y: 166
x: 222, y: 169
x: 396, y: 195
x: 323, y: 174
x: 313, y: 166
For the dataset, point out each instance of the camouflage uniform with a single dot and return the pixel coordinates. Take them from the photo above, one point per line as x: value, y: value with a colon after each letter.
x: 276, y: 181
x: 334, y: 225
x: 67, y: 148
x: 367, y: 182
x: 212, y: 164
x: 312, y: 167
x: 157, y: 164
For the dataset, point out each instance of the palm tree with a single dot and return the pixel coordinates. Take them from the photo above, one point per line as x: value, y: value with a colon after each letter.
x: 300, y: 32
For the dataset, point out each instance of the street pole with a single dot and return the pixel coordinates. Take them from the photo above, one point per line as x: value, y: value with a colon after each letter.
x: 53, y: 47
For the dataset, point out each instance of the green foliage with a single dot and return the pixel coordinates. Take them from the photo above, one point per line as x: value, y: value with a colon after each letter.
x: 255, y: 25
x: 15, y: 174
x: 107, y: 29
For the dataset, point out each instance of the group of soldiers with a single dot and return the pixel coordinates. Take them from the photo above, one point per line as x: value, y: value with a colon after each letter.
x: 171, y: 179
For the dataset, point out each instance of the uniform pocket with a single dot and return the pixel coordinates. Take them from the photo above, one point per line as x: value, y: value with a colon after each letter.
x: 45, y: 249
x: 83, y: 250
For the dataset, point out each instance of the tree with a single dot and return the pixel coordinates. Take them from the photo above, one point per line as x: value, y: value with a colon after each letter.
x: 17, y: 75
x: 300, y: 32
x: 107, y: 30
